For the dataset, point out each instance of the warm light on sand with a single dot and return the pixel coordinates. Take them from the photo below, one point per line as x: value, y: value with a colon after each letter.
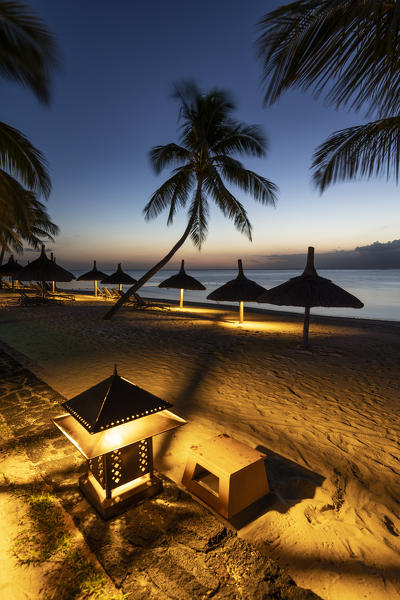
x: 328, y: 420
x: 197, y: 310
x: 262, y: 326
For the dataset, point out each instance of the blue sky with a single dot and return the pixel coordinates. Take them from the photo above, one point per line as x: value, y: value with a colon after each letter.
x: 111, y: 103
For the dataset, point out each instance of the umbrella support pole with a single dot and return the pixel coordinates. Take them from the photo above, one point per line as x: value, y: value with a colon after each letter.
x: 95, y: 288
x: 306, y: 326
x: 181, y: 300
x: 241, y: 311
x: 53, y: 286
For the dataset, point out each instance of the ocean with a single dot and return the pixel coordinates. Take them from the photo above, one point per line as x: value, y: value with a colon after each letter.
x: 379, y: 290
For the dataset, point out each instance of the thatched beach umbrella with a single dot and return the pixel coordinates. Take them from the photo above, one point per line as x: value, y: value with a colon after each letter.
x: 10, y: 268
x: 120, y: 278
x: 308, y: 290
x: 182, y: 281
x: 43, y: 269
x: 239, y: 290
x: 93, y: 275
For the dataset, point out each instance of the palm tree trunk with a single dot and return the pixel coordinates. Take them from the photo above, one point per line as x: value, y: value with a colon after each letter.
x: 2, y: 252
x: 160, y: 264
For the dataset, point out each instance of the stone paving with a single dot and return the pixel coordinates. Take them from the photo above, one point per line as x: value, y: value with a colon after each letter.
x: 166, y: 548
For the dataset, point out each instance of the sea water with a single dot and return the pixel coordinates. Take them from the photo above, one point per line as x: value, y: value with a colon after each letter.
x: 379, y: 290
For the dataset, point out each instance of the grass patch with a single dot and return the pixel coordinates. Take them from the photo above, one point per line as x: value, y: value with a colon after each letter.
x: 44, y: 538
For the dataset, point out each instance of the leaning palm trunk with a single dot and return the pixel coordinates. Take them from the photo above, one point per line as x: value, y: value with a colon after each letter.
x: 132, y: 290
x: 2, y: 252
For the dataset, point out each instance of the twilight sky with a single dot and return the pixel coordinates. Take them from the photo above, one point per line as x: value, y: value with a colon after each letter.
x: 111, y: 103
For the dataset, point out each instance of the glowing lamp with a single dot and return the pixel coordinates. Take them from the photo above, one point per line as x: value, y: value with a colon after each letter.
x: 112, y: 425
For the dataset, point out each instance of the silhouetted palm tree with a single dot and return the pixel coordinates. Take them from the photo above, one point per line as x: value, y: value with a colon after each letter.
x: 33, y: 227
x: 351, y: 50
x: 27, y: 54
x: 203, y: 160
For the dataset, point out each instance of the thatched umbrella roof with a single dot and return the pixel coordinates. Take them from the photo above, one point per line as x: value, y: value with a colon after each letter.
x: 182, y: 281
x: 240, y: 290
x: 119, y: 277
x: 93, y: 275
x: 43, y: 269
x: 113, y: 401
x: 10, y: 267
x: 308, y: 290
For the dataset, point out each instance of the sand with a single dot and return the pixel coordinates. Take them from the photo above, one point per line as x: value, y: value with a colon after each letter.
x: 328, y: 419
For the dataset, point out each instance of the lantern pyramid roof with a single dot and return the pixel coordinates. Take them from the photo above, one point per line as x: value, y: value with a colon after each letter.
x: 112, y: 402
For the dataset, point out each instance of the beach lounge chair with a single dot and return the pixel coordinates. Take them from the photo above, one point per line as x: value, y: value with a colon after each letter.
x: 100, y: 294
x: 107, y: 294
x: 116, y: 294
x: 61, y: 296
x: 35, y: 286
x: 26, y: 300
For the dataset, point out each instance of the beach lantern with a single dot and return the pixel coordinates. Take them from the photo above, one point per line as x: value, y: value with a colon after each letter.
x: 120, y: 278
x: 182, y: 281
x: 112, y: 425
x: 93, y: 275
x: 239, y: 290
x: 308, y: 290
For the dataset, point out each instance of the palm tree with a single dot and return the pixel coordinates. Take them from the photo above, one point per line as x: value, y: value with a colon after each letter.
x: 202, y: 161
x: 349, y: 49
x: 32, y: 226
x: 27, y: 54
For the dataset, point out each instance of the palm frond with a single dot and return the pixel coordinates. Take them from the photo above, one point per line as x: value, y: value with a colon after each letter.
x: 28, y: 51
x: 262, y: 190
x: 14, y: 202
x: 170, y: 154
x: 199, y: 229
x: 366, y: 150
x: 22, y: 160
x: 175, y: 190
x: 351, y: 48
x: 26, y: 219
x: 227, y: 203
x: 10, y: 241
x: 242, y: 139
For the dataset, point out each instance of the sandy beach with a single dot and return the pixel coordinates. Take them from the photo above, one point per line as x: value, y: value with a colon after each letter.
x: 328, y: 418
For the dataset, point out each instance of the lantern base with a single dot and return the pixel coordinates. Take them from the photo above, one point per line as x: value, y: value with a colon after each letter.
x: 121, y: 498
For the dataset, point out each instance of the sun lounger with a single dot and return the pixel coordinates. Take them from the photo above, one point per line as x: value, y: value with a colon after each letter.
x: 108, y: 294
x: 117, y: 294
x: 35, y: 286
x: 61, y: 296
x: 26, y: 300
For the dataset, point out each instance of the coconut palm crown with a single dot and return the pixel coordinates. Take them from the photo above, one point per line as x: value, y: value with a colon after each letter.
x: 28, y: 52
x: 349, y: 50
x: 204, y: 162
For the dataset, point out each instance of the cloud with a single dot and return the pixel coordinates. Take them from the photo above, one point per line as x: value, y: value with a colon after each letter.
x: 379, y: 255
